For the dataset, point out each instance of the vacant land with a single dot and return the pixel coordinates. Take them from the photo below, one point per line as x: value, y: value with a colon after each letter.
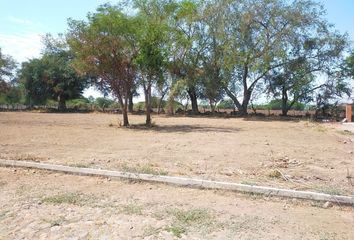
x: 294, y: 154
x: 44, y: 205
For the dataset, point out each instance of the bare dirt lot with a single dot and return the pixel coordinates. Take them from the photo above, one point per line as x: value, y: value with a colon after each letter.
x: 292, y: 154
x: 44, y: 205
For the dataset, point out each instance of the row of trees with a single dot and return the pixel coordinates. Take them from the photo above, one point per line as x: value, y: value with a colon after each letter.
x: 199, y: 49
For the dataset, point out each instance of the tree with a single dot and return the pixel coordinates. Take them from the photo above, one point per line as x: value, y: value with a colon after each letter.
x: 32, y: 75
x: 254, y: 37
x: 311, y: 55
x: 105, y: 47
x: 7, y: 67
x: 103, y: 102
x: 151, y: 58
x: 348, y: 67
x: 52, y: 76
x: 187, y: 46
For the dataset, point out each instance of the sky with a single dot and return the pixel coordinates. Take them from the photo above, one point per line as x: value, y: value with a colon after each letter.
x: 24, y: 22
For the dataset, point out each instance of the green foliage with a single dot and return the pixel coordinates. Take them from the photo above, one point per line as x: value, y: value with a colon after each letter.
x: 52, y: 77
x: 226, y: 104
x: 12, y: 94
x: 103, y: 103
x: 66, y: 198
x: 79, y: 104
x: 276, y: 104
x: 7, y: 67
x: 105, y: 48
x: 155, y: 104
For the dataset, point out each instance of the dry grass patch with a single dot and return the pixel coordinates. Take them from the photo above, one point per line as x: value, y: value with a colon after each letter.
x: 68, y: 198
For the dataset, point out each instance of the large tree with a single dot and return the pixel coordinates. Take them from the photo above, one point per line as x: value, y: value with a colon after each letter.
x: 312, y: 62
x: 255, y: 37
x: 7, y: 67
x: 52, y: 76
x: 105, y: 46
x: 152, y: 36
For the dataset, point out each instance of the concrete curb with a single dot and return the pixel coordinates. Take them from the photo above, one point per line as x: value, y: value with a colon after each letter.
x: 185, y: 182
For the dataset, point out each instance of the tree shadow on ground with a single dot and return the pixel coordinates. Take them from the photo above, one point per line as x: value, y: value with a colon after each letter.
x: 250, y: 117
x: 183, y: 128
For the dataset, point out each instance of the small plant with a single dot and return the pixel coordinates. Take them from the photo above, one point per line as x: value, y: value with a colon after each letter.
x: 275, y: 174
x: 151, y: 231
x: 132, y: 209
x: 250, y: 183
x: 321, y: 129
x: 176, y: 230
x: 345, y: 132
x: 146, y: 169
x: 3, y: 214
x: 330, y: 190
x: 79, y: 165
x: 194, y: 216
x: 55, y: 222
x: 66, y: 198
x: 184, y: 219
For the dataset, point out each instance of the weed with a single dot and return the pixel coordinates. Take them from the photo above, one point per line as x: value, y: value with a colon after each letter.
x: 66, y: 198
x: 321, y: 129
x: 80, y: 165
x: 330, y: 190
x: 242, y: 222
x: 194, y: 216
x: 328, y: 236
x: 249, y: 183
x: 345, y: 132
x: 184, y: 219
x: 3, y: 214
x: 176, y: 230
x: 55, y: 222
x: 274, y: 174
x: 146, y: 169
x: 151, y: 231
x: 132, y: 209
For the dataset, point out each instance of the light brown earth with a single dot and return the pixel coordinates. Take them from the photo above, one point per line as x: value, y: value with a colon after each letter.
x: 42, y: 205
x: 298, y: 155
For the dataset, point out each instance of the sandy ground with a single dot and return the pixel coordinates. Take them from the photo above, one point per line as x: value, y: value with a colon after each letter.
x: 44, y: 205
x: 293, y: 154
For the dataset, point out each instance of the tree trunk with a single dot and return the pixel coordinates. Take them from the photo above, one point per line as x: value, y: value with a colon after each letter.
x: 212, y: 105
x: 131, y: 104
x: 124, y: 105
x: 61, y: 103
x: 245, y: 102
x: 194, y: 100
x: 284, y: 103
x: 125, y: 117
x: 147, y: 91
x: 160, y: 103
x: 170, y: 108
x: 237, y: 103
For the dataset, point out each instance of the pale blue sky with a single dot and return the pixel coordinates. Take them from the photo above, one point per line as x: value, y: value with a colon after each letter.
x: 23, y: 22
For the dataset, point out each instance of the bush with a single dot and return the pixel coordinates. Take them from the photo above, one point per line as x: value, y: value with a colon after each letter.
x: 80, y: 103
x: 226, y: 104
x: 104, y: 103
x: 276, y: 104
x: 155, y: 104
